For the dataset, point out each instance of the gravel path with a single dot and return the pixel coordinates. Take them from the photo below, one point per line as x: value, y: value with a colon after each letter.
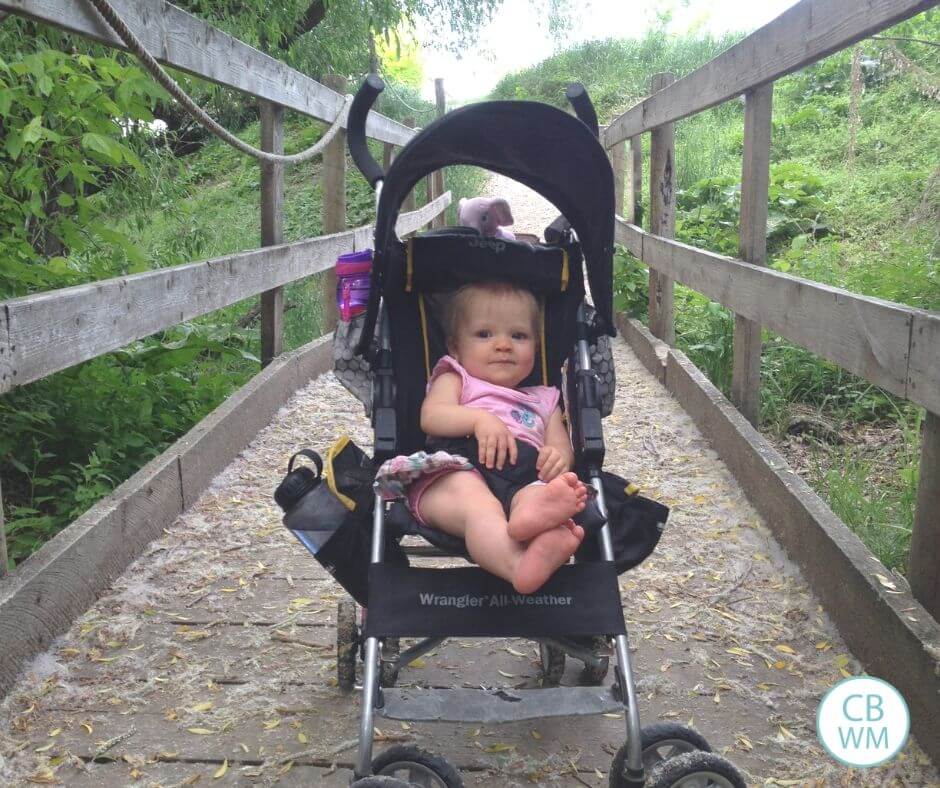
x: 212, y: 657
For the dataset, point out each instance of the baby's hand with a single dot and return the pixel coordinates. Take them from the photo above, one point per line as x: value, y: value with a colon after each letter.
x: 550, y: 463
x: 495, y: 441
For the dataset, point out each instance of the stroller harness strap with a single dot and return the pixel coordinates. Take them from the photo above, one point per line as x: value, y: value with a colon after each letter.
x: 578, y: 600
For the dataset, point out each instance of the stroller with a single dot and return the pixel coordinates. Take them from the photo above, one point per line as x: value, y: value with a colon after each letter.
x: 578, y: 611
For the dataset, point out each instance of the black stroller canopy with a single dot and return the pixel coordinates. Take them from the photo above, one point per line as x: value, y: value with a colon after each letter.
x: 536, y: 144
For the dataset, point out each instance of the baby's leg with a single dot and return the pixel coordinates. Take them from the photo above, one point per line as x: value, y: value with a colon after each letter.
x: 541, y: 507
x: 461, y: 504
x: 544, y: 554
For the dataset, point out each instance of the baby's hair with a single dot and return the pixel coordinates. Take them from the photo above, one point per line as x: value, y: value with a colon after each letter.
x: 460, y: 302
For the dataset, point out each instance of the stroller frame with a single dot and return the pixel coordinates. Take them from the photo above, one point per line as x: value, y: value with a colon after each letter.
x: 625, y: 685
x: 559, y: 157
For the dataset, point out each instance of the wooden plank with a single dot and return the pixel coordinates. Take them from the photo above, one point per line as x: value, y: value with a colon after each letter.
x: 662, y: 219
x: 48, y: 332
x: 866, y: 336
x: 923, y: 374
x: 801, y: 35
x: 181, y: 40
x: 54, y: 330
x: 333, y: 174
x: 755, y: 181
x: 617, y: 163
x: 924, y: 572
x: 634, y: 212
x: 437, y: 186
x: 272, y: 223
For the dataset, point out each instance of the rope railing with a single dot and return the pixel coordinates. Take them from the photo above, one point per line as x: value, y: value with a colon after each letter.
x: 111, y: 18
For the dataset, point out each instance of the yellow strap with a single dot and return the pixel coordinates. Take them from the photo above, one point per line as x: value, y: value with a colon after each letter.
x: 410, y: 266
x: 424, y: 336
x: 564, y: 270
x: 542, y: 332
x: 334, y: 451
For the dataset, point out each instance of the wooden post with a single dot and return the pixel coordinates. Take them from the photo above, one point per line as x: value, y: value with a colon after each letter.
x: 924, y: 572
x: 272, y: 227
x: 388, y: 150
x: 334, y: 203
x: 755, y: 180
x: 409, y: 202
x: 3, y: 538
x: 616, y: 154
x: 437, y: 188
x: 634, y: 213
x: 662, y: 217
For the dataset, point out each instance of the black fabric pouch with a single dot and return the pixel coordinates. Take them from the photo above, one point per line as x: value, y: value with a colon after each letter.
x: 636, y: 524
x: 330, y: 512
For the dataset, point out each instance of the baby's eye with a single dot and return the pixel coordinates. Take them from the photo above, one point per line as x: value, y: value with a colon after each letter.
x: 483, y: 333
x: 520, y: 336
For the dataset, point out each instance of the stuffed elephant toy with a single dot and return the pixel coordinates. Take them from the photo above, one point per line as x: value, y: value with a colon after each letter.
x: 486, y: 214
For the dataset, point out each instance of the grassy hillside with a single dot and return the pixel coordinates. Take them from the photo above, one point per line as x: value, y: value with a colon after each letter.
x: 860, y: 215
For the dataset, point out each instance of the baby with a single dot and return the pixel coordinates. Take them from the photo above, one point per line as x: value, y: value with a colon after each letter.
x: 518, y: 527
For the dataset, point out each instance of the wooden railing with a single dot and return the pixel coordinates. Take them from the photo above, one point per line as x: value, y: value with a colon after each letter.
x: 48, y: 332
x: 894, y: 346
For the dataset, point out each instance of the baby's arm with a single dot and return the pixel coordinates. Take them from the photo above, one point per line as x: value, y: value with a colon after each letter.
x: 443, y: 416
x: 556, y: 456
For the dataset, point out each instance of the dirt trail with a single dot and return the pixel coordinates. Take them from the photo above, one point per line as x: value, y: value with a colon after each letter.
x: 213, y: 655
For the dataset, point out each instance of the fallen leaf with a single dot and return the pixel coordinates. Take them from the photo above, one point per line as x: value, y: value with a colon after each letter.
x: 536, y: 735
x: 45, y: 747
x: 201, y: 731
x: 785, y: 649
x: 499, y: 747
x: 270, y: 725
x: 885, y: 582
x: 220, y: 772
x: 201, y: 707
x: 505, y: 674
x: 302, y: 738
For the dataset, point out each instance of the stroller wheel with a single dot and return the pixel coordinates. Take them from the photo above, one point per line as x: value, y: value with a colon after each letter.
x: 695, y: 770
x: 381, y: 782
x: 552, y: 665
x: 592, y: 675
x: 388, y: 671
x: 347, y: 643
x: 415, y: 766
x: 660, y: 742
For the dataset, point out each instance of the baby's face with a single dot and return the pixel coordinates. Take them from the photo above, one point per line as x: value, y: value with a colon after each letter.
x: 496, y: 340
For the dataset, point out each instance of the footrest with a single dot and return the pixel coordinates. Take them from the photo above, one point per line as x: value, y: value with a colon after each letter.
x: 501, y: 705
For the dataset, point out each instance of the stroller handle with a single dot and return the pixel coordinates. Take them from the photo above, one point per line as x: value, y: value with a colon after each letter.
x: 579, y: 99
x: 356, y: 129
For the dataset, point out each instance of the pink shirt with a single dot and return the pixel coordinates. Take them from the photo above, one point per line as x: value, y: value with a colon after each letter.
x: 524, y: 411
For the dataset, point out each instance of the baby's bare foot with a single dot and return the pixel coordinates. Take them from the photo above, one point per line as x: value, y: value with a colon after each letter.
x: 545, y: 553
x: 542, y: 507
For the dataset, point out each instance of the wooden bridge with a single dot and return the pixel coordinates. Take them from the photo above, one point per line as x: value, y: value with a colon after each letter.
x: 174, y: 630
